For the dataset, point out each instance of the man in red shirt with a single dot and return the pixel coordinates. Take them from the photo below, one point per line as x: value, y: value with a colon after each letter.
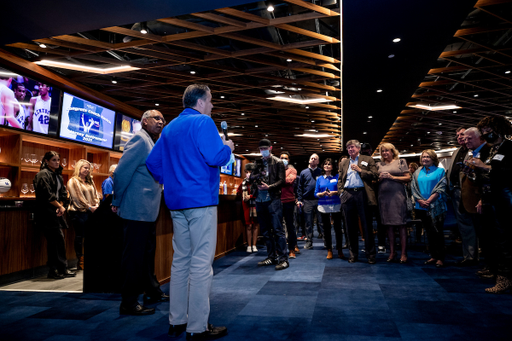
x: 288, y: 200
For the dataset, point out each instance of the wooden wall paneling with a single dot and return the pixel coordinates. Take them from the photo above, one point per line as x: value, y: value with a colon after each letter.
x: 10, y: 144
x: 15, y: 248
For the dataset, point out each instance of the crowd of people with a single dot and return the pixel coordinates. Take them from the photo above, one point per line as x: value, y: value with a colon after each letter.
x: 345, y: 195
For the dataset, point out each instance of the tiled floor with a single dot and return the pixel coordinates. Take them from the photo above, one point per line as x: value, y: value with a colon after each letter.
x: 314, y: 299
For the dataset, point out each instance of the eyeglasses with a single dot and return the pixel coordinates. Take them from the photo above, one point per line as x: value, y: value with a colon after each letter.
x: 158, y: 118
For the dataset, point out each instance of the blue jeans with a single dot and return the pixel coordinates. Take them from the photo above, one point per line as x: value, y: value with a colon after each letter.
x: 270, y: 217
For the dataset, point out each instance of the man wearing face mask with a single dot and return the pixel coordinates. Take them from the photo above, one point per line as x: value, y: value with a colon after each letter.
x: 268, y: 178
x: 288, y: 200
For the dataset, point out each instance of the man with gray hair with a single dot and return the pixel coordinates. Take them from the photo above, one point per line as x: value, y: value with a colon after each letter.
x: 356, y: 193
x: 137, y: 201
x: 107, y: 187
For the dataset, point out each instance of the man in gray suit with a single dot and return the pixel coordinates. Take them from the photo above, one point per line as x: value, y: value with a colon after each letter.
x: 137, y: 200
x: 466, y: 228
x: 356, y: 193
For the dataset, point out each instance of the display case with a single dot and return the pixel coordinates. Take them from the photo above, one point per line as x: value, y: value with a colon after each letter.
x: 21, y: 154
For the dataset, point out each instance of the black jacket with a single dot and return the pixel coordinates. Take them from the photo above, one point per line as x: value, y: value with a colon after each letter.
x: 276, y: 176
x: 45, y: 184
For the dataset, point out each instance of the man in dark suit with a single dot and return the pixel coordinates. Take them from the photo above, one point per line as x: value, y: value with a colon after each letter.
x: 137, y: 199
x: 471, y: 196
x: 464, y: 222
x: 356, y: 193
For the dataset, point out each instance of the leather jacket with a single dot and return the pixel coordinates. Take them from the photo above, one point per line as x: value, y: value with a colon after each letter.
x: 276, y: 176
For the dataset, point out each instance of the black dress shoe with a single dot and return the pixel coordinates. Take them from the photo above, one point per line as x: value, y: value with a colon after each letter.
x: 68, y: 273
x: 211, y: 334
x: 176, y: 330
x: 467, y: 262
x: 160, y: 297
x: 136, y: 310
x: 352, y: 260
x: 54, y: 274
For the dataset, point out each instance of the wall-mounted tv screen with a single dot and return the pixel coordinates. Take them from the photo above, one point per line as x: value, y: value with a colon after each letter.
x: 227, y: 169
x: 237, y: 167
x: 28, y: 104
x: 87, y: 122
x: 126, y: 127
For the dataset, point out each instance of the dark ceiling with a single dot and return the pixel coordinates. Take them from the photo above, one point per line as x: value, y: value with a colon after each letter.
x: 425, y: 27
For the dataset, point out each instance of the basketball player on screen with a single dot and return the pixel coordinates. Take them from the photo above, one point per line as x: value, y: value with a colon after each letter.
x: 7, y: 101
x: 20, y: 110
x: 39, y: 117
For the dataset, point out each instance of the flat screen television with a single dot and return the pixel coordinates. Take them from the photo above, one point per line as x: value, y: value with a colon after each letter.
x: 126, y: 127
x: 28, y: 104
x: 228, y: 170
x: 84, y: 121
x: 237, y: 167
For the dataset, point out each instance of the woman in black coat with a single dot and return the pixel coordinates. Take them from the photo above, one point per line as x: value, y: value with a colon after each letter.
x: 51, y: 197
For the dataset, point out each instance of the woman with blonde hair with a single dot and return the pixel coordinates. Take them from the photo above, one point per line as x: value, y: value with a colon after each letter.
x: 393, y: 175
x: 84, y: 200
x: 429, y: 190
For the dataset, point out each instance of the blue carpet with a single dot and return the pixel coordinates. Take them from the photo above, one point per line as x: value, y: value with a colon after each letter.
x: 314, y: 299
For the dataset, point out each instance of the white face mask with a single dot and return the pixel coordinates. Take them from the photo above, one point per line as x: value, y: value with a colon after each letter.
x: 247, y: 175
x: 285, y: 162
x: 265, y: 153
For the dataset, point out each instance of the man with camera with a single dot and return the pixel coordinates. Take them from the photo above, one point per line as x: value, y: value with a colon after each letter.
x: 268, y: 177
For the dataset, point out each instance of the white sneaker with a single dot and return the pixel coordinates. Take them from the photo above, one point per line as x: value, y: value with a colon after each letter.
x: 249, y: 249
x: 254, y: 249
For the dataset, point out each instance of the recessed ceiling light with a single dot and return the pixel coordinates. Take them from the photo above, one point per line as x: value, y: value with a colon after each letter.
x: 391, y: 56
x: 282, y: 148
x: 455, y: 111
x: 222, y: 97
x: 247, y: 150
x: 289, y: 60
x: 507, y: 72
x: 270, y: 8
x: 475, y: 95
x: 300, y: 89
x: 312, y: 121
x: 236, y: 145
x: 440, y: 124
x: 243, y: 114
x: 114, y: 81
x: 266, y: 135
x: 256, y: 126
x: 428, y: 132
x: 396, y: 40
x: 364, y: 132
x: 43, y: 46
x: 192, y: 72
x: 307, y: 107
x: 275, y: 142
x: 370, y: 116
x: 157, y: 104
x: 144, y: 31
x: 412, y: 145
x: 380, y: 90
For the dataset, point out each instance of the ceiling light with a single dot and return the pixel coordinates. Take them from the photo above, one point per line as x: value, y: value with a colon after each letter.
x: 298, y: 101
x: 314, y: 135
x: 256, y: 126
x: 475, y: 95
x: 440, y: 124
x: 143, y: 28
x: 428, y: 132
x: 114, y: 81
x: 307, y: 107
x: 222, y: 97
x: 43, y: 46
x: 144, y: 31
x: 8, y: 74
x: 312, y: 121
x: 455, y: 111
x: 84, y: 68
x: 243, y: 114
x: 192, y: 72
x: 380, y: 90
x: 289, y: 60
x: 507, y: 72
x: 157, y: 104
x: 275, y: 142
x: 364, y: 132
x: 370, y: 116
x: 396, y: 40
x: 266, y: 135
x: 435, y: 107
x: 282, y: 147
x: 391, y: 56
x: 270, y: 8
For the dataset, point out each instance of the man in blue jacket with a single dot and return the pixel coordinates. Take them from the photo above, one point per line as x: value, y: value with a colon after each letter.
x: 186, y: 159
x: 306, y: 198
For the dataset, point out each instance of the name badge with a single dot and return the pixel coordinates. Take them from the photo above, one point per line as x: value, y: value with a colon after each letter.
x: 364, y: 163
x: 333, y: 180
x: 498, y: 157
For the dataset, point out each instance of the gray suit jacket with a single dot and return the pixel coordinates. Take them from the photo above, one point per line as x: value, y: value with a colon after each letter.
x: 136, y: 194
x: 368, y: 175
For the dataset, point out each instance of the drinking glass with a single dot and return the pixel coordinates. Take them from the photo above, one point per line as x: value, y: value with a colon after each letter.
x: 24, y: 188
x: 73, y: 164
x: 33, y: 158
x: 98, y: 166
x: 94, y: 167
x: 31, y: 188
x: 27, y: 158
x: 64, y: 162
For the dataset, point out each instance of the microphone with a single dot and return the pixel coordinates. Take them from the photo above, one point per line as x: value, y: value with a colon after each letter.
x: 224, y: 127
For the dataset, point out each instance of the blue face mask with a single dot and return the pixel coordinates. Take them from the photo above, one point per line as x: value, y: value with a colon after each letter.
x: 285, y: 162
x: 265, y: 153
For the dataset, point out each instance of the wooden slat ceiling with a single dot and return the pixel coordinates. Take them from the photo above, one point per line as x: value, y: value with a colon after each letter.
x: 242, y: 53
x: 474, y: 72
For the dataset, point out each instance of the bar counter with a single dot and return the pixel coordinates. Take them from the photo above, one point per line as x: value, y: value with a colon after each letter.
x: 23, y: 246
